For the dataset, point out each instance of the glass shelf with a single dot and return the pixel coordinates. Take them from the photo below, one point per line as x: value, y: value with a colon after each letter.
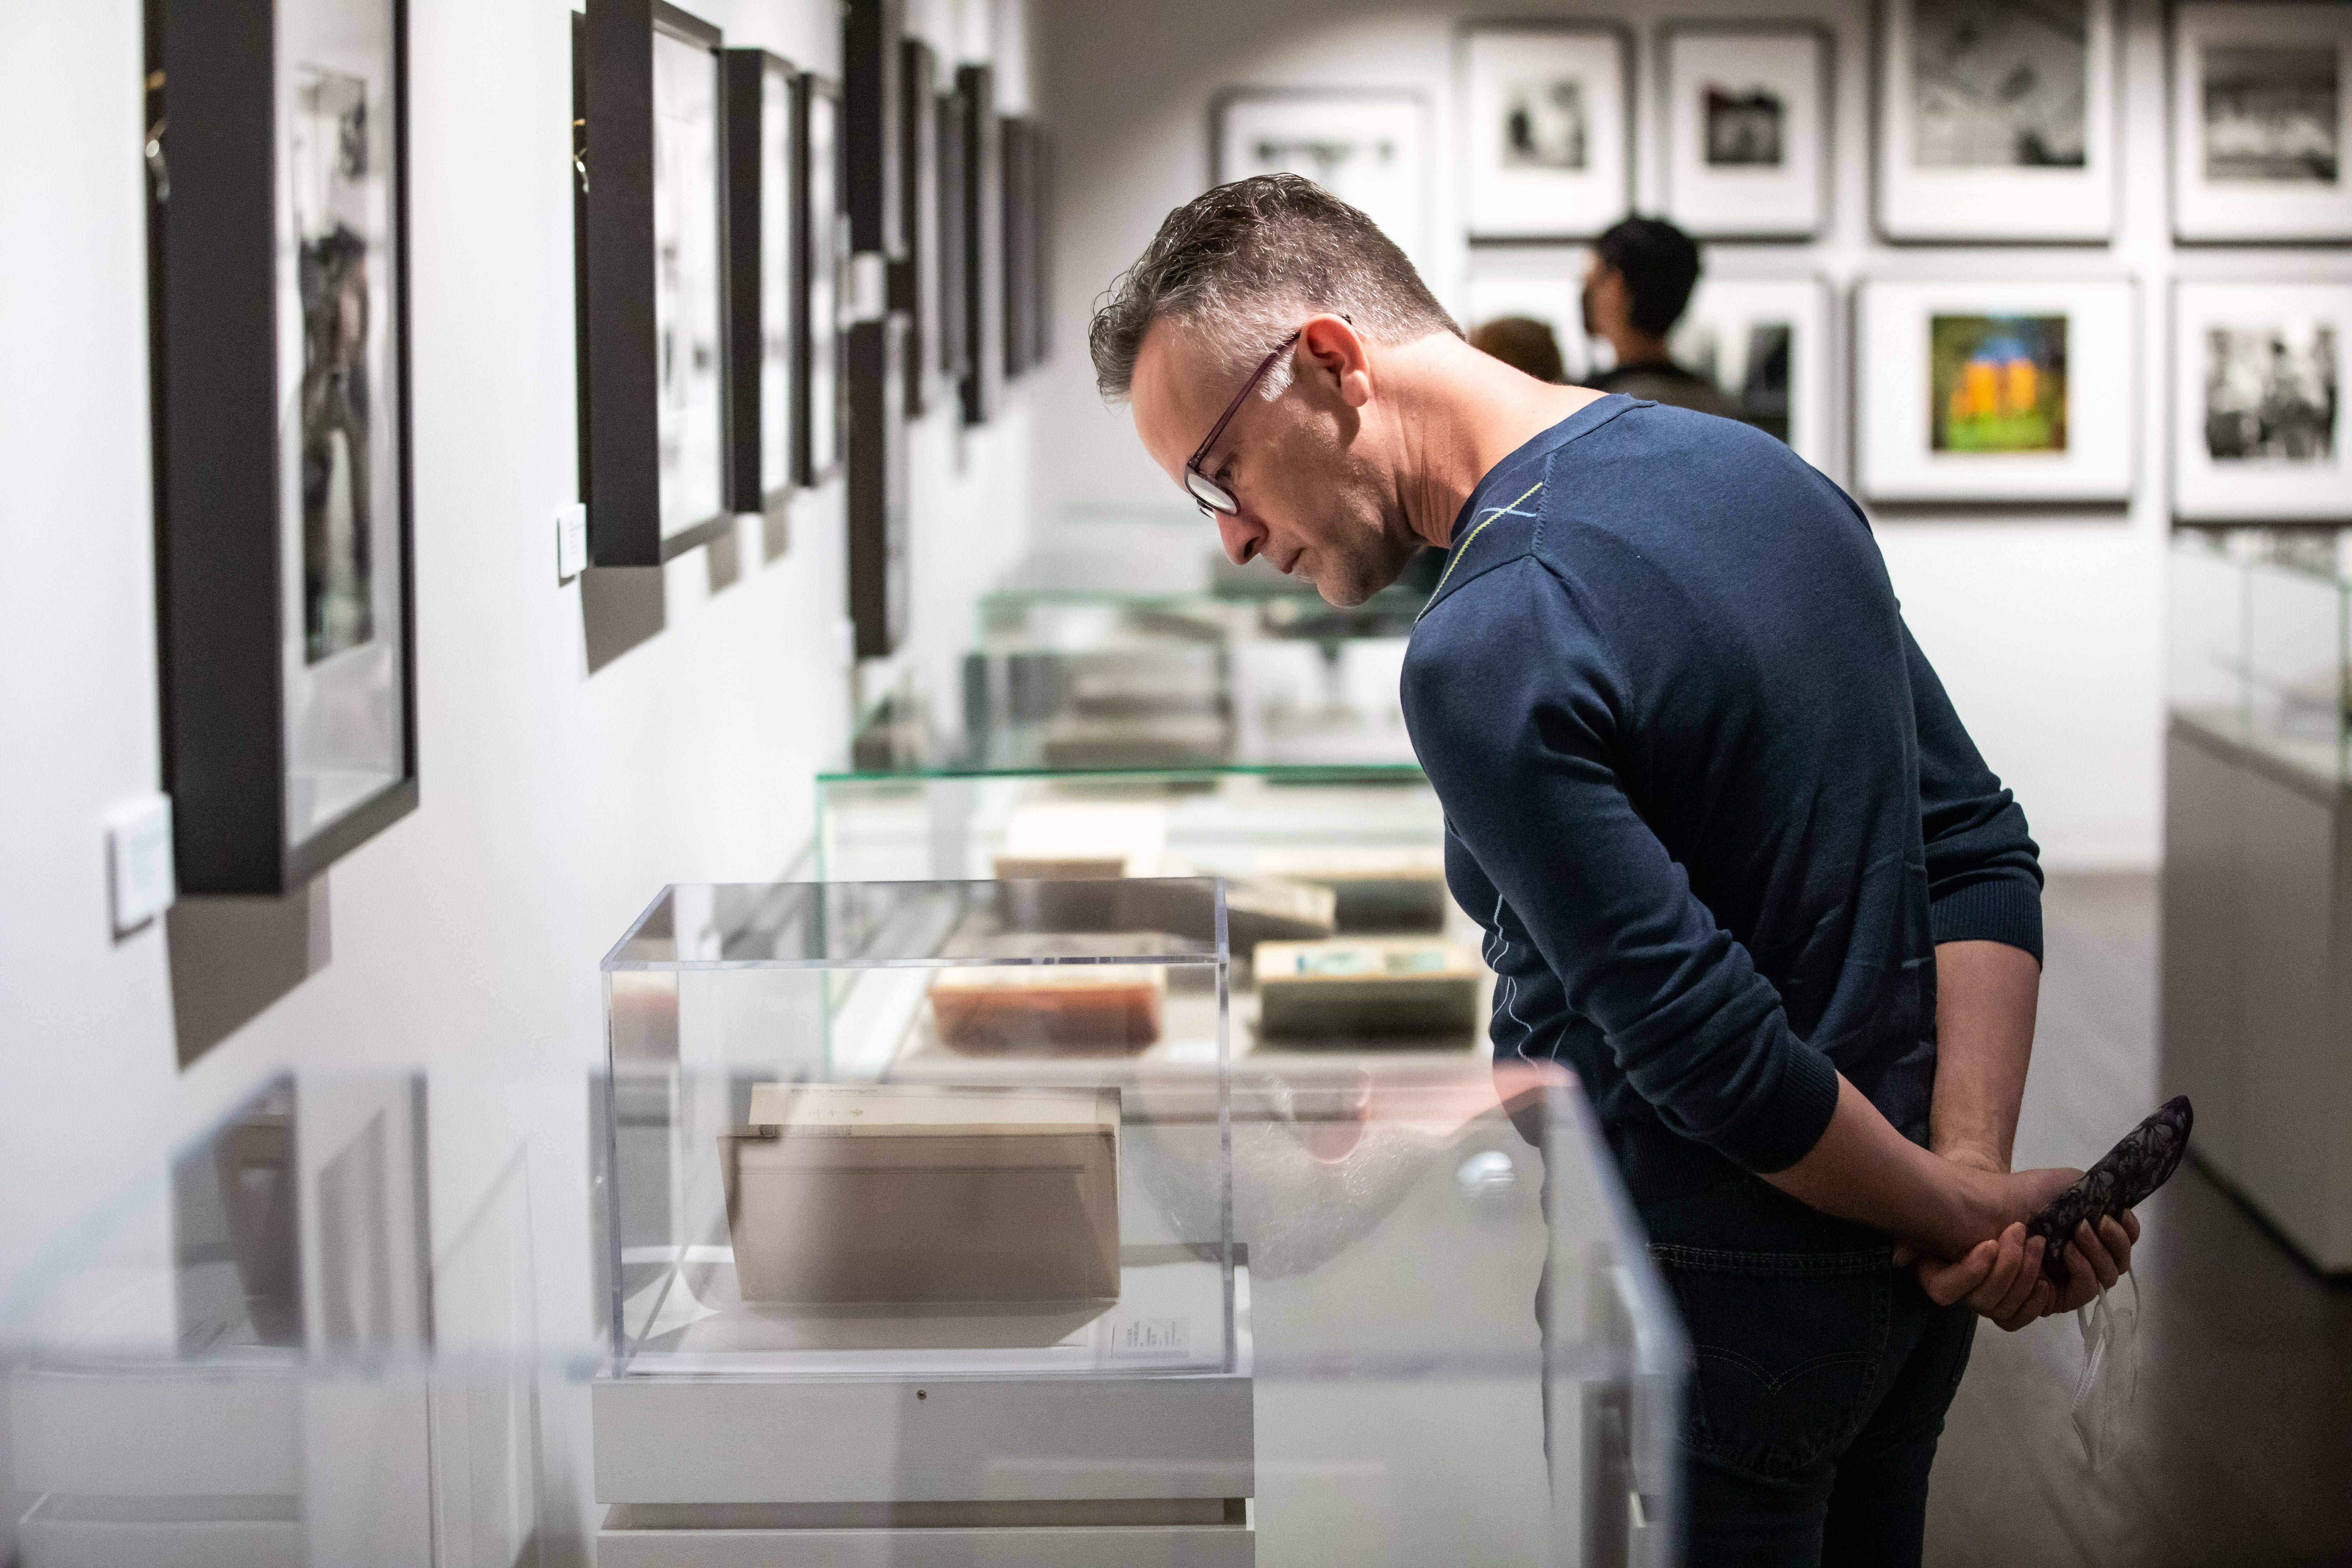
x: 2259, y: 650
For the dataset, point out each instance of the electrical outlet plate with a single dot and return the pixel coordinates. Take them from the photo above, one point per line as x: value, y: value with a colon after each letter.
x: 140, y: 884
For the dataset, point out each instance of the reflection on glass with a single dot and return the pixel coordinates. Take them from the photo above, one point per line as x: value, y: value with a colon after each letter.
x: 686, y: 278
x: 338, y: 390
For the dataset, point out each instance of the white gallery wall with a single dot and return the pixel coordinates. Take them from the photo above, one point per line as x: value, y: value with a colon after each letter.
x: 2046, y: 627
x: 556, y: 799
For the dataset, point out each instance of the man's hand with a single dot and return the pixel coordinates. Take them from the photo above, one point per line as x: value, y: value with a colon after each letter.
x: 2002, y: 1278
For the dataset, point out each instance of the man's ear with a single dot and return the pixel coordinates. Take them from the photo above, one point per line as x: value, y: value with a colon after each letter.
x: 1338, y: 353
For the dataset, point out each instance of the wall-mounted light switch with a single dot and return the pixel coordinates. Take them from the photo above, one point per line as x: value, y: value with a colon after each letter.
x: 138, y: 881
x: 571, y: 541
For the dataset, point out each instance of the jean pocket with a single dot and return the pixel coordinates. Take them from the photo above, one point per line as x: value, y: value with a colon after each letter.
x: 1789, y: 1347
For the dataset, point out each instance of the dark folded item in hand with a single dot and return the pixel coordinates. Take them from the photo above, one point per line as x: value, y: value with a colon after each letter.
x: 2123, y: 1178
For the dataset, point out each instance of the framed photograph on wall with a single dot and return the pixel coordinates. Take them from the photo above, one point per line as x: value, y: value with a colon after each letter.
x: 2259, y: 431
x: 820, y: 235
x: 915, y: 278
x: 657, y: 285
x: 952, y: 358
x: 1747, y: 117
x: 763, y: 160
x: 1997, y: 120
x: 982, y: 183
x: 2260, y: 140
x: 1547, y: 137
x: 879, y: 584
x: 1765, y: 341
x: 1995, y: 391
x: 1367, y: 147
x: 1552, y: 293
x: 1016, y: 137
x: 872, y: 90
x: 278, y: 245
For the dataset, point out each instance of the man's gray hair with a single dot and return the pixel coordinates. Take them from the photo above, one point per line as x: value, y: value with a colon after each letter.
x: 1243, y: 265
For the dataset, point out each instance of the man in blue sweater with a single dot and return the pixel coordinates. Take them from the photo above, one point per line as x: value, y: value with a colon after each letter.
x: 1738, y: 860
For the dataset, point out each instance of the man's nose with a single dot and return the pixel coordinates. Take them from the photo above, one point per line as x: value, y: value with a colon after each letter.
x: 1242, y: 540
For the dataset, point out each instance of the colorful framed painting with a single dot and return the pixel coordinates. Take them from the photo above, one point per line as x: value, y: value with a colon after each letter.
x: 2262, y: 145
x: 2000, y: 392
x: 1746, y: 120
x: 1997, y: 121
x: 2260, y: 433
x: 1547, y: 137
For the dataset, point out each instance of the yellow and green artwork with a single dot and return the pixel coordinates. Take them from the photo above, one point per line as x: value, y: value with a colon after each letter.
x: 1997, y: 383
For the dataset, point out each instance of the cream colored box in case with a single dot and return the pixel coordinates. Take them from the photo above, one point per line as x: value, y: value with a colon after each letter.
x: 899, y: 1194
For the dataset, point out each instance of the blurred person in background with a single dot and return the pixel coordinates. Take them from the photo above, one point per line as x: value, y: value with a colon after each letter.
x: 1524, y: 344
x: 1642, y: 272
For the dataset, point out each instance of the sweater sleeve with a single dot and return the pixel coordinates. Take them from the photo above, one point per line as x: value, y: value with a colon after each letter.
x: 1984, y: 874
x: 1523, y: 753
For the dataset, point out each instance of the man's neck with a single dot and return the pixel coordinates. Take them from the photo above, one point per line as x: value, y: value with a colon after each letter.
x: 1458, y: 413
x: 1639, y: 347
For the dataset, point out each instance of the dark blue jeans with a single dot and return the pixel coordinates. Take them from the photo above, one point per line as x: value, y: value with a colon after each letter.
x: 1823, y: 1373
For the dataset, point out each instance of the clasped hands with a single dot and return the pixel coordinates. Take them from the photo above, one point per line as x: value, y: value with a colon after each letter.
x: 2001, y: 1276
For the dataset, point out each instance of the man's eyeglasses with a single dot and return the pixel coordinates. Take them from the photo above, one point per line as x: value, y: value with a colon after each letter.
x: 1212, y: 496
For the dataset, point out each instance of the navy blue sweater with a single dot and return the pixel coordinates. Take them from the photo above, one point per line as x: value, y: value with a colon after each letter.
x: 1703, y: 791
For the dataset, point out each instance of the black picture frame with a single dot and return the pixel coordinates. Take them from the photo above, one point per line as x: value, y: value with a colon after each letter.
x: 1041, y: 244
x: 879, y: 586
x: 953, y: 356
x: 872, y: 107
x: 1012, y: 134
x: 982, y: 384
x: 821, y: 395
x: 915, y: 278
x: 266, y: 793
x: 647, y: 397
x: 762, y: 170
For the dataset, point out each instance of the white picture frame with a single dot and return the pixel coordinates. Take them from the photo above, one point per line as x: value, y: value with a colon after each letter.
x: 1552, y: 294
x: 1370, y: 147
x: 2253, y: 155
x: 1745, y: 112
x: 1735, y: 330
x: 2260, y: 429
x: 1945, y: 413
x: 1963, y: 154
x: 1546, y: 138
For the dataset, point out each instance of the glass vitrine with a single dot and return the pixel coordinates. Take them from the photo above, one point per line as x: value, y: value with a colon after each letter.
x: 2258, y: 638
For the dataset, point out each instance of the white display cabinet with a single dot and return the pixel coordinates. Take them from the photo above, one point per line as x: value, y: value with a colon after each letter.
x: 946, y: 1228
x: 2257, y: 903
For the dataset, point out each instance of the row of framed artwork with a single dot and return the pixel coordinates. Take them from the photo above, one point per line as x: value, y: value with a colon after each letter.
x: 1970, y: 390
x: 1996, y: 120
x: 773, y: 274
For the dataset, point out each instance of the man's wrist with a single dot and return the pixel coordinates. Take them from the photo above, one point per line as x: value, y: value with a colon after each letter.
x: 1976, y: 1154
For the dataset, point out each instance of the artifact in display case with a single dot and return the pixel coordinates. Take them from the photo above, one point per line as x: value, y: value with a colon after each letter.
x: 1088, y: 1004
x: 1375, y: 891
x: 1358, y: 993
x: 892, y: 1196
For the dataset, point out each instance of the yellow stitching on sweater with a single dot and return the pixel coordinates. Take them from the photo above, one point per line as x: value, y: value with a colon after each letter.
x: 1498, y: 511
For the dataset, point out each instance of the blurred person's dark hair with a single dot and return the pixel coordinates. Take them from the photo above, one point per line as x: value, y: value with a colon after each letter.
x: 1524, y: 344
x: 1660, y: 266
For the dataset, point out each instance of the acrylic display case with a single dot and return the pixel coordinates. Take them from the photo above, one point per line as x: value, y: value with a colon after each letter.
x: 2259, y: 643
x: 945, y: 1221
x: 2257, y: 894
x: 245, y: 1357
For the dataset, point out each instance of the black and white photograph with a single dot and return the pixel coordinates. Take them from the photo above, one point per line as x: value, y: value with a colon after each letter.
x: 761, y: 158
x: 2271, y: 112
x: 2269, y: 392
x: 2001, y: 84
x: 1764, y: 341
x: 690, y: 436
x: 1370, y: 149
x: 281, y: 454
x: 1545, y: 135
x: 1997, y: 120
x: 2259, y: 129
x: 2260, y: 424
x: 1745, y: 114
x: 819, y: 225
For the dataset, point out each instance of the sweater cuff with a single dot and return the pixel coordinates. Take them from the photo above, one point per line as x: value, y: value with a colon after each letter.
x: 1776, y: 1130
x: 2001, y: 909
